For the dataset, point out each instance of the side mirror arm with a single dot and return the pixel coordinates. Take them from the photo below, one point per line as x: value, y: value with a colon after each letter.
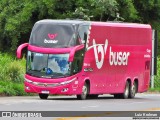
x: 19, y: 50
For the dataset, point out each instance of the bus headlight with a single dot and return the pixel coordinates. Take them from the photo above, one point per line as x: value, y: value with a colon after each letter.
x: 67, y: 82
x: 29, y: 81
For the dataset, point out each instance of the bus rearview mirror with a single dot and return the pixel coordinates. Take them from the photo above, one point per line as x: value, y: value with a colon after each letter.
x: 19, y: 50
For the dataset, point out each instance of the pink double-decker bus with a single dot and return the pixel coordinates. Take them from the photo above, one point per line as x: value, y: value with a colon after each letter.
x: 87, y: 59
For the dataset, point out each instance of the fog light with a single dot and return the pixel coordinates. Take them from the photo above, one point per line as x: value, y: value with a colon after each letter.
x: 64, y: 90
x: 28, y: 88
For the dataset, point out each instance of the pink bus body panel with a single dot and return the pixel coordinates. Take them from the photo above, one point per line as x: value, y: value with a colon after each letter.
x: 115, y: 53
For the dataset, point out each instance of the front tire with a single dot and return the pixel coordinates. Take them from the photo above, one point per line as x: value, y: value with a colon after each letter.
x: 84, y: 93
x: 43, y: 96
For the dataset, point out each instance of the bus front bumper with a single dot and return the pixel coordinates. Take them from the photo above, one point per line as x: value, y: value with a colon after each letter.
x: 69, y: 87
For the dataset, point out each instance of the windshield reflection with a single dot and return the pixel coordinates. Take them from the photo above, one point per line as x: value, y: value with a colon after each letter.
x: 48, y: 65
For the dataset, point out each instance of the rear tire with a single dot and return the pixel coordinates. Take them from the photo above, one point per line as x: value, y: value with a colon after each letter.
x: 125, y: 95
x: 84, y: 94
x: 43, y: 96
x: 133, y: 90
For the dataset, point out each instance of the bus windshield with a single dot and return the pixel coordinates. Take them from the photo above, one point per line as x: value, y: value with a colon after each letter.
x: 48, y: 65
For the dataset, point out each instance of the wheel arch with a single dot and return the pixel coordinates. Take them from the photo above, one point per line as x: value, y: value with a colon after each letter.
x: 129, y: 80
x: 84, y: 90
x: 87, y: 81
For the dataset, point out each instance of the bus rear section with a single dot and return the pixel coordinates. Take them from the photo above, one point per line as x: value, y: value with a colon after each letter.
x: 119, y: 56
x: 87, y: 58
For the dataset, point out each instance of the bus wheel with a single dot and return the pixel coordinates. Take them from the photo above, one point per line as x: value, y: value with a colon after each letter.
x: 125, y: 95
x: 84, y: 94
x: 43, y: 96
x: 132, y: 90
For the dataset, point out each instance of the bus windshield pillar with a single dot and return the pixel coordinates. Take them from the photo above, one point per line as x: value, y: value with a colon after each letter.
x: 71, y: 55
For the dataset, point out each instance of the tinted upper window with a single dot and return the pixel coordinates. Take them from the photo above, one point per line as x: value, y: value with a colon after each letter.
x: 52, y: 35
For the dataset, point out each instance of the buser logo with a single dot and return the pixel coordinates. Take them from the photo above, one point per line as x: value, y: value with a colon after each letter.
x: 98, y: 50
x: 115, y: 58
x: 51, y: 37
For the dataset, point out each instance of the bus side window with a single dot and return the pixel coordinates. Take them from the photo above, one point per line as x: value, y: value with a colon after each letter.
x: 78, y: 61
x: 76, y: 66
x: 82, y: 33
x: 85, y: 38
x: 78, y: 40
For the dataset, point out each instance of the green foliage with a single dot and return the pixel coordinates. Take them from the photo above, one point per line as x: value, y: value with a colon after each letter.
x: 11, y: 89
x: 18, y: 16
x: 81, y: 13
x: 105, y: 9
x: 11, y: 69
x: 148, y: 11
x: 4, y: 60
x: 15, y: 71
x: 157, y: 77
x: 8, y: 88
x: 128, y: 12
x: 11, y: 75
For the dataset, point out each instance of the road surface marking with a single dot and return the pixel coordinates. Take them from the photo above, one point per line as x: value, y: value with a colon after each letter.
x: 153, y: 109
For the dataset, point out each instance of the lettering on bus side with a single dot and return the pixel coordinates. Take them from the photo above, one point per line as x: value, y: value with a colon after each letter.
x: 118, y: 58
x: 115, y: 58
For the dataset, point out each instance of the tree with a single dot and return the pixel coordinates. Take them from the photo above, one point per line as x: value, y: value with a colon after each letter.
x: 127, y: 10
x: 15, y: 20
x: 18, y: 16
x: 104, y: 10
x: 149, y: 12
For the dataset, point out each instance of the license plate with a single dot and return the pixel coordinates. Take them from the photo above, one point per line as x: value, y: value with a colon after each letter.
x: 45, y: 91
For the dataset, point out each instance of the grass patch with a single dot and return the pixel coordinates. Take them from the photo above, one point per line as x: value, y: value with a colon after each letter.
x: 12, y: 89
x: 157, y: 78
x: 154, y: 90
x: 11, y: 76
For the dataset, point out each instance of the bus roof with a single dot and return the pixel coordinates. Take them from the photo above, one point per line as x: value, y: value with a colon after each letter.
x: 122, y: 24
x: 62, y: 21
x: 109, y: 23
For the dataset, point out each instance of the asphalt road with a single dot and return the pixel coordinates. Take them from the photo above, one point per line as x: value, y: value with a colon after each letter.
x: 142, y: 102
